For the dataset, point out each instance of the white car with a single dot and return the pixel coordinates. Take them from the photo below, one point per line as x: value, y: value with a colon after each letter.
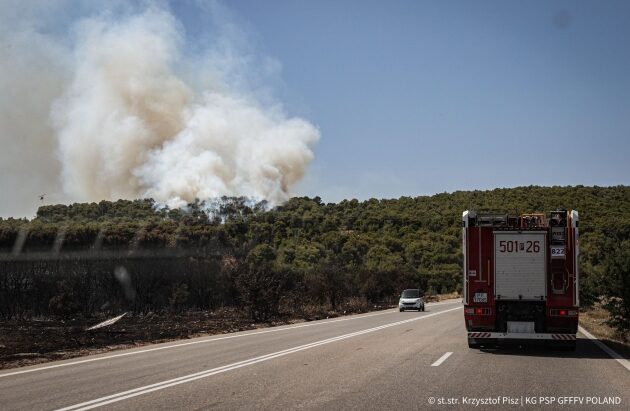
x: 411, y: 300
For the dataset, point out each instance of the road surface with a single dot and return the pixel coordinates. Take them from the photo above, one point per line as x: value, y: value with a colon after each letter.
x: 378, y: 361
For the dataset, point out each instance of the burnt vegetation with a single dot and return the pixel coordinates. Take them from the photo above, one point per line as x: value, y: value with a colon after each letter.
x: 108, y: 257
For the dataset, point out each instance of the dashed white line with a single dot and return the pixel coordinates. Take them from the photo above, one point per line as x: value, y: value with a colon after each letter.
x: 441, y: 359
x: 203, y: 341
x: 99, y: 402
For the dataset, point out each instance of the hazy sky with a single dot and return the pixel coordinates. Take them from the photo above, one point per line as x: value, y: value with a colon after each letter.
x: 407, y: 97
x: 419, y: 97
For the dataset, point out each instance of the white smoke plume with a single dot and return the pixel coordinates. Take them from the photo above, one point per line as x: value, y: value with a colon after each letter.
x: 124, y: 111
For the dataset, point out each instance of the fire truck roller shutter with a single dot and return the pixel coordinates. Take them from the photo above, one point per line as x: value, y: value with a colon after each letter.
x: 520, y: 265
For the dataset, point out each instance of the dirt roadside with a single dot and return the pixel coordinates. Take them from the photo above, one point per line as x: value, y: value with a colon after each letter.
x: 38, y: 341
x: 42, y: 340
x: 594, y: 320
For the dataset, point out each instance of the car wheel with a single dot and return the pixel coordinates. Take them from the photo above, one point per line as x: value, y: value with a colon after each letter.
x: 401, y: 310
x: 423, y: 308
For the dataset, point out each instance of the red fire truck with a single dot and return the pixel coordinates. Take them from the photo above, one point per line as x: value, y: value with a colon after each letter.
x: 521, y: 279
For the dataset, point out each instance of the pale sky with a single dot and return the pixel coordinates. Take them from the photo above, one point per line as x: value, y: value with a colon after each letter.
x: 419, y: 97
x: 409, y: 97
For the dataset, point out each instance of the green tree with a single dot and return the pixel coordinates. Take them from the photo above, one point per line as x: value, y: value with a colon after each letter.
x: 617, y: 285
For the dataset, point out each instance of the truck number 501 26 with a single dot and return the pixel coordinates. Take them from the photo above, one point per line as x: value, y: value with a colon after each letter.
x: 519, y: 246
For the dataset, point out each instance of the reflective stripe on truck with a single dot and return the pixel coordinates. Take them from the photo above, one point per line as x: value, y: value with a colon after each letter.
x: 523, y: 336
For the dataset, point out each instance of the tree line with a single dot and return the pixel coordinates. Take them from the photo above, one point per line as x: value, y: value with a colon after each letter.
x: 233, y: 251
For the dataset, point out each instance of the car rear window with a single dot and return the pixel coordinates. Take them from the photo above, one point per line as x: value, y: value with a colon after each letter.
x: 411, y: 294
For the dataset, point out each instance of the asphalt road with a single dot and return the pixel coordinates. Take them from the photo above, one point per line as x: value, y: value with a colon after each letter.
x: 377, y: 361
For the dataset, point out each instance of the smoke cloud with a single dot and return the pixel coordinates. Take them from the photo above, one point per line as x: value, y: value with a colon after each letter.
x: 121, y: 108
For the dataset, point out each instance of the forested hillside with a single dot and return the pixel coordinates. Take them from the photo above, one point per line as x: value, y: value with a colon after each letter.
x: 237, y: 252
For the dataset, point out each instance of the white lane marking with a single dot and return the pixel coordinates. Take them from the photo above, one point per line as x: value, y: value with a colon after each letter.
x: 208, y: 340
x: 125, y: 354
x: 99, y: 402
x: 606, y: 348
x: 441, y: 359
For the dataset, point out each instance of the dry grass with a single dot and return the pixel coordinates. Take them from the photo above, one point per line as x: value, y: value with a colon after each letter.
x: 441, y: 297
x: 594, y: 320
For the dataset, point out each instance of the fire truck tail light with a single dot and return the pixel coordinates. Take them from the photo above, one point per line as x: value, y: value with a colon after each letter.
x: 478, y: 311
x: 562, y: 312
